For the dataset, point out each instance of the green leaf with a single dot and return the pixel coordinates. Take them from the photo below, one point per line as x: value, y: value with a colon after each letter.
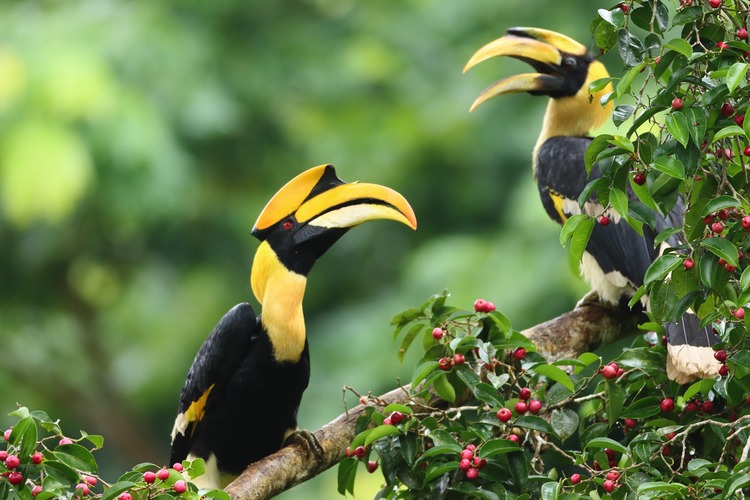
x: 677, y: 126
x: 630, y: 48
x: 437, y: 470
x: 497, y: 447
x: 406, y: 410
x: 680, y: 46
x: 408, y: 339
x: 735, y: 483
x: 580, y: 238
x: 643, y: 408
x: 347, y: 472
x: 661, y: 267
x: 728, y: 131
x: 61, y: 472
x: 422, y: 371
x: 551, y: 490
x: 379, y: 432
x: 599, y: 144
x: 736, y: 75
x: 554, y: 373
x: 570, y: 227
x: 621, y: 113
x: 716, y: 204
x: 619, y: 201
x: 534, y: 423
x: 120, y: 487
x: 603, y: 442
x: 488, y: 394
x: 564, y: 422
x: 665, y: 235
x: 721, y: 247
x: 444, y: 389
x: 623, y: 86
x: 670, y: 166
x: 688, y: 15
x: 615, y: 17
x: 745, y: 279
x: 76, y: 456
x: 615, y: 399
x: 442, y: 449
x: 501, y: 320
x: 24, y: 435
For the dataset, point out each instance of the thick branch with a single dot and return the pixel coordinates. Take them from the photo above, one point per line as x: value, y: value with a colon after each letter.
x: 585, y: 328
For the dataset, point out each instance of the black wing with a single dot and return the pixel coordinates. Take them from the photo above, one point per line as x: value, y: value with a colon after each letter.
x: 214, y: 365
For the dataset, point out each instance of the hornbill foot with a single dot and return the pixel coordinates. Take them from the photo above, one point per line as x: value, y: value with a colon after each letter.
x: 309, y: 441
x: 591, y: 298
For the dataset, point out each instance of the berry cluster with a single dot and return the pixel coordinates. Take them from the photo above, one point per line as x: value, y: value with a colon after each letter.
x: 611, y: 370
x: 471, y: 464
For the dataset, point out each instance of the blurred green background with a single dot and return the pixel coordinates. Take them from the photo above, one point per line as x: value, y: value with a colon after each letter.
x: 141, y: 139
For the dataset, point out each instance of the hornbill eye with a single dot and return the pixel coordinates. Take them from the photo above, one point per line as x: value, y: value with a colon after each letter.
x: 287, y: 225
x: 569, y: 62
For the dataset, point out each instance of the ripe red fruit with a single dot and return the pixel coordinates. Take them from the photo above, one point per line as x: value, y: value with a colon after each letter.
x: 722, y: 214
x: 739, y: 313
x: 472, y: 474
x: 677, y: 104
x: 739, y: 119
x: 667, y: 405
x: 730, y: 268
x: 125, y: 496
x: 639, y: 178
x: 575, y: 478
x: 708, y: 219
x: 708, y: 406
x: 12, y: 461
x: 727, y: 109
x: 723, y: 370
x: 15, y: 478
x: 149, y: 477
x: 3, y: 455
x: 722, y: 45
x: 521, y: 407
x: 471, y: 447
x: 746, y: 219
x: 624, y: 8
x: 467, y: 455
x: 372, y: 466
x: 630, y: 423
x: 717, y: 227
x: 690, y: 407
x: 83, y: 489
x: 604, y: 220
x: 613, y: 475
x: 163, y: 474
x: 480, y: 463
x: 610, y: 453
x: 609, y: 372
x: 65, y: 441
x: 458, y: 359
x: 742, y: 33
x: 513, y: 438
x: 37, y: 458
x: 504, y: 414
x: 608, y: 485
x: 437, y: 333
x: 444, y: 364
x: 524, y: 393
x: 720, y: 355
x: 519, y: 353
x: 36, y: 490
x: 464, y: 464
x: 480, y: 305
x: 489, y: 307
x: 535, y: 405
x: 179, y: 486
x: 6, y: 434
x: 746, y: 151
x: 666, y: 450
x: 178, y: 467
x: 714, y: 3
x: 670, y: 435
x: 689, y: 263
x: 360, y: 451
x: 397, y: 417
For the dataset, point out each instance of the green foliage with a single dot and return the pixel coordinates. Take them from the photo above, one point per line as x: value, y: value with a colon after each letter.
x: 52, y: 465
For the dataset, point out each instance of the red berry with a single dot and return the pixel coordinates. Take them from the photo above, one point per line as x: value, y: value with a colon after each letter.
x: 714, y: 3
x: 575, y: 478
x: 36, y: 490
x: 726, y: 108
x: 708, y: 219
x: 630, y: 423
x: 179, y: 486
x: 708, y: 406
x: 610, y: 453
x: 524, y: 393
x: 387, y: 421
x: 149, y: 477
x: 690, y: 407
x: 513, y: 438
x: 746, y: 219
x: 125, y: 496
x: 360, y: 451
x: 720, y: 355
x: 471, y: 447
x: 609, y: 372
x: 624, y: 8
x: 639, y: 178
x: 444, y: 364
x: 722, y: 214
x: 83, y: 488
x: 6, y: 434
x: 667, y: 405
x: 608, y: 485
x: 464, y: 464
x: 12, y: 461
x: 480, y: 463
x: 723, y: 370
x: 397, y: 417
x: 65, y: 441
x: 163, y: 474
x: 178, y: 467
x: 3, y: 455
x: 519, y: 353
x: 728, y: 153
x: 677, y: 104
x: 670, y: 435
x: 613, y: 475
x: 717, y: 227
x: 747, y: 399
x: 739, y: 119
x: 467, y: 455
x: 746, y: 151
x: 742, y: 33
x: 504, y: 414
x: 722, y: 45
x: 604, y: 220
x: 535, y: 405
x: 458, y: 359
x: 729, y: 267
x: 739, y: 313
x: 472, y: 474
x: 480, y: 305
x: 37, y: 458
x: 521, y: 407
x: 372, y: 466
x: 437, y: 333
x: 489, y: 307
x: 15, y: 478
x: 689, y: 263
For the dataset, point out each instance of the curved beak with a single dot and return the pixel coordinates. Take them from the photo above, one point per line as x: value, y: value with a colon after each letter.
x: 542, y: 49
x: 319, y: 200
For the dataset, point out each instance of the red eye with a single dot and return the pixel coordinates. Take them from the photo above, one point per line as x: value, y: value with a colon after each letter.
x: 287, y: 225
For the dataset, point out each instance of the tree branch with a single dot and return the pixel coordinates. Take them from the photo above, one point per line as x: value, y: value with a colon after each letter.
x: 590, y: 325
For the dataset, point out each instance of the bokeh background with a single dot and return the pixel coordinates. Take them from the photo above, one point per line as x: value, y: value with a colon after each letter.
x: 139, y: 140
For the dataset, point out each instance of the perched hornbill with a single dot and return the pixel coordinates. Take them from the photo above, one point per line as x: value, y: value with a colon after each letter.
x: 616, y: 258
x: 243, y: 390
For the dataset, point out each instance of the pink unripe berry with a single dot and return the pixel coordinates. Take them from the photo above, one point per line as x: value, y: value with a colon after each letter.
x: 535, y: 405
x: 91, y: 480
x: 504, y: 414
x: 149, y: 477
x: 689, y: 263
x: 65, y: 441
x: 163, y: 474
x: 746, y: 219
x: 12, y: 461
x: 464, y: 464
x: 524, y: 393
x: 677, y: 104
x: 608, y: 485
x: 739, y: 313
x: 471, y: 447
x: 37, y: 458
x: 36, y: 490
x: 178, y: 467
x: 459, y: 359
x: 480, y: 305
x: 489, y: 307
x: 437, y: 333
x: 714, y: 3
x: 387, y: 421
x: 180, y: 486
x: 472, y: 474
x: 83, y: 488
x: 609, y: 372
x: 717, y: 227
x: 480, y: 463
x: 575, y: 478
x: 6, y: 434
x: 467, y: 454
x: 742, y: 34
x: 15, y: 478
x: 125, y: 496
x: 513, y: 438
x: 3, y: 455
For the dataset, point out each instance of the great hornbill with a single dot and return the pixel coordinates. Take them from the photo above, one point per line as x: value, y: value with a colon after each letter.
x: 242, y: 392
x: 616, y: 257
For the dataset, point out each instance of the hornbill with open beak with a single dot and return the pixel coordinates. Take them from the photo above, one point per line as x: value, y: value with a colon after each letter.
x: 616, y: 257
x: 241, y: 396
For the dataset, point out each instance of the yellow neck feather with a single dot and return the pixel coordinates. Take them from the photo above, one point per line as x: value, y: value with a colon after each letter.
x: 280, y: 292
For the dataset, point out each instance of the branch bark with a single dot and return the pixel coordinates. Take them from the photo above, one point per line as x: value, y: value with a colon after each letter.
x: 590, y: 325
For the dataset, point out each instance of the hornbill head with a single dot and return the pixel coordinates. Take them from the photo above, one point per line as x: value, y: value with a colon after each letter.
x: 564, y: 70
